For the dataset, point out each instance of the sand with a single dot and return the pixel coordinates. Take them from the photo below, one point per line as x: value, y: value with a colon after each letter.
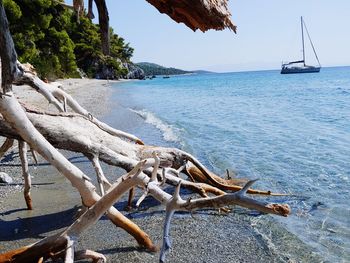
x: 208, y: 236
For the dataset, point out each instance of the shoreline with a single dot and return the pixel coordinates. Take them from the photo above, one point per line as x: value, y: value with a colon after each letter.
x: 203, y: 239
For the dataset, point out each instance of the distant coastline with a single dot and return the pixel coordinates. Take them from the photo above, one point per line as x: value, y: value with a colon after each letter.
x: 153, y: 69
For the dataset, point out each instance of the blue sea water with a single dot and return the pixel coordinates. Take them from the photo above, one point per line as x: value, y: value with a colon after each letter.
x: 290, y: 131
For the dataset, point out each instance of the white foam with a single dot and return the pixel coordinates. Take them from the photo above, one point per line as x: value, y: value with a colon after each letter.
x: 167, y: 130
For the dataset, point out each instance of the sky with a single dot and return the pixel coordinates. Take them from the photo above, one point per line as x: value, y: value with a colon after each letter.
x: 268, y: 33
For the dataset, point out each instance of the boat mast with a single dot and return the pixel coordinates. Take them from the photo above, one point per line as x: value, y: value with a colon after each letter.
x: 302, y: 38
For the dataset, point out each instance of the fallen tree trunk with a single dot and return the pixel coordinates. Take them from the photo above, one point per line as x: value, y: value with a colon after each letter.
x: 14, y: 115
x: 77, y: 133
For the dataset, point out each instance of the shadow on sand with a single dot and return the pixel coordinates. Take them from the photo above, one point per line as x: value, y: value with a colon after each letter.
x: 33, y: 227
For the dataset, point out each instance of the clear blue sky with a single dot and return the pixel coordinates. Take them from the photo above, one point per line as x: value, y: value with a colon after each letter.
x: 268, y: 32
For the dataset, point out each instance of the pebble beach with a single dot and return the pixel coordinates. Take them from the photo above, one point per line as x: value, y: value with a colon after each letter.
x: 205, y: 236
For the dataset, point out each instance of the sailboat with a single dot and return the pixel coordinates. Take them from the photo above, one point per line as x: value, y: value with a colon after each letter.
x: 300, y: 66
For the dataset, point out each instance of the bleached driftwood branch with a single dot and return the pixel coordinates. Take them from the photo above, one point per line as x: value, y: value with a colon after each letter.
x: 61, y: 99
x: 25, y: 173
x: 6, y: 146
x: 137, y: 177
x: 101, y: 178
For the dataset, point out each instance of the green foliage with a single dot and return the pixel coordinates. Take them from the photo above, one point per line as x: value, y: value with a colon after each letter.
x: 120, y: 49
x: 151, y: 69
x: 40, y: 36
x: 48, y: 36
x: 87, y: 44
x: 13, y: 10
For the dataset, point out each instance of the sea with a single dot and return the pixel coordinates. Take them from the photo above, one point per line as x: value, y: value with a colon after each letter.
x: 292, y: 132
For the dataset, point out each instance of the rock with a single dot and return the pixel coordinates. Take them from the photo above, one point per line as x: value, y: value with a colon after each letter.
x: 134, y: 72
x: 104, y: 67
x: 113, y: 68
x: 105, y: 72
x: 5, y: 178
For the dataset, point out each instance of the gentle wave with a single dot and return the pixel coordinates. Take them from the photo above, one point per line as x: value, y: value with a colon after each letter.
x: 168, y: 131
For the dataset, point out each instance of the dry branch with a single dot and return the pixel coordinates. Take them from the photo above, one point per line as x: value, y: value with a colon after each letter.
x: 136, y: 177
x: 25, y: 173
x: 6, y: 146
x: 60, y: 99
x: 101, y: 178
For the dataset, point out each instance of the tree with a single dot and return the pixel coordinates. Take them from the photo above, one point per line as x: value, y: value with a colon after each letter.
x: 120, y: 49
x: 148, y: 167
x: 57, y: 45
x: 43, y: 40
x: 103, y: 19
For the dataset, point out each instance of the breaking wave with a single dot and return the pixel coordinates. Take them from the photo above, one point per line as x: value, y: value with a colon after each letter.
x: 168, y: 131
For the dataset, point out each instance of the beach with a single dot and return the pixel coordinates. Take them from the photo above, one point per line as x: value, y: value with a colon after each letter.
x: 205, y: 236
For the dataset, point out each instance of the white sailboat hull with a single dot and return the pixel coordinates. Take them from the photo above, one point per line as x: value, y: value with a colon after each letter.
x: 295, y: 70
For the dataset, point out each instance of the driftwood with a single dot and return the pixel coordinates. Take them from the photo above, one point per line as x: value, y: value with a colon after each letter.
x: 6, y: 146
x: 148, y: 167
x: 62, y: 245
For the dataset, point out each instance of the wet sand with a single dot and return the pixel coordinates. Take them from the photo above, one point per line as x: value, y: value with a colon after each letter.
x: 208, y: 236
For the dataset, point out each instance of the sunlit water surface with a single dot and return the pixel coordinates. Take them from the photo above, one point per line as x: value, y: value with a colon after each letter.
x: 290, y: 131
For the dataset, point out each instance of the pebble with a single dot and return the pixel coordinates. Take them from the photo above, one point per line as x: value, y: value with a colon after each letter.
x: 5, y: 178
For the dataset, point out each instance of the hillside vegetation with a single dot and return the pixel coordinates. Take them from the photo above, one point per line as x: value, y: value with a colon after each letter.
x: 151, y: 69
x: 48, y: 36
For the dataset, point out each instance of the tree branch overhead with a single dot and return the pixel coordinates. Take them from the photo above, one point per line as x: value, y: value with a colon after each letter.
x: 197, y: 14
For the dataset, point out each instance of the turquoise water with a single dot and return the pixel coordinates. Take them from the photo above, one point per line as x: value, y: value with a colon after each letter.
x: 290, y: 131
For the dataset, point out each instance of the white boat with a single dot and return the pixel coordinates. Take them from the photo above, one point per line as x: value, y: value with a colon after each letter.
x: 300, y: 66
